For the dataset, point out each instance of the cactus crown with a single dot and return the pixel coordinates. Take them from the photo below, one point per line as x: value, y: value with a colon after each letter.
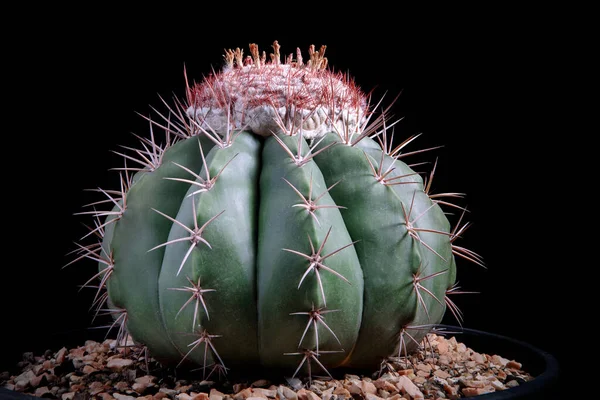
x: 271, y: 96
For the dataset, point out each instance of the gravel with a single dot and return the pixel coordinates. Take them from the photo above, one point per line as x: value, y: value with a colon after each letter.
x: 442, y: 369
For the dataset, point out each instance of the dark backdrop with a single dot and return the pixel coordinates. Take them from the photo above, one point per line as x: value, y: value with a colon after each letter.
x: 477, y: 88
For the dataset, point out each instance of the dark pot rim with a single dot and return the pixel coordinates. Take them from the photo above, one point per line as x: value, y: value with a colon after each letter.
x: 539, y: 363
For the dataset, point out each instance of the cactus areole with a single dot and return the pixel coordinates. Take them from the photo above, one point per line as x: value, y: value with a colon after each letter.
x: 274, y: 226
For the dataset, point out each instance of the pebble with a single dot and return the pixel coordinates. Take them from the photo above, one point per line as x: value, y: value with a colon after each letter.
x: 441, y: 374
x: 215, y: 394
x: 39, y: 392
x: 118, y: 363
x: 470, y: 392
x: 442, y: 347
x: 261, y: 383
x: 407, y: 386
x: 120, y: 396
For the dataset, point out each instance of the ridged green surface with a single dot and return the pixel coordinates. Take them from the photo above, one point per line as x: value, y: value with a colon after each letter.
x: 283, y: 226
x: 262, y: 288
x: 133, y: 284
x: 228, y: 266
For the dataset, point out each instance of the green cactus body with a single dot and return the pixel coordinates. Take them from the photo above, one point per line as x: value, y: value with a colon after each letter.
x: 336, y: 286
x: 310, y: 245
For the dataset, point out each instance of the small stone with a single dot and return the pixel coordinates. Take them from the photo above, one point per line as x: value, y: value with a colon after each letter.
x: 341, y: 391
x: 472, y: 383
x: 286, y: 393
x: 243, y: 394
x: 24, y: 378
x: 354, y: 386
x: 512, y: 383
x: 265, y: 393
x: 257, y: 396
x: 405, y: 372
x: 68, y: 395
x: 423, y: 367
x: 419, y: 380
x: 470, y: 392
x: 317, y: 387
x: 442, y: 347
x: 200, y: 396
x: 121, y: 386
x: 407, y: 386
x: 513, y: 364
x: 215, y: 395
x: 60, y: 355
x: 40, y: 380
x: 20, y: 386
x: 118, y: 363
x: 95, y: 388
x: 371, y: 396
x: 120, y: 396
x: 76, y: 353
x: 168, y: 392
x: 441, y: 374
x: 478, y: 358
x: 368, y: 387
x: 496, y: 384
x: 77, y: 387
x: 105, y: 396
x: 37, y: 369
x: 261, y: 383
x: 139, y: 387
x: 146, y: 379
x: 423, y: 374
x: 39, y: 392
x: 304, y: 394
x: 496, y: 359
x: 501, y: 375
x: 444, y: 360
x: 183, y: 388
x: 396, y: 397
x: 452, y: 342
x: 88, y: 369
x: 385, y: 385
x: 327, y: 394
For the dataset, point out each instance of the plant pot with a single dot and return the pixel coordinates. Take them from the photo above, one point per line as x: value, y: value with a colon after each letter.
x: 540, y: 364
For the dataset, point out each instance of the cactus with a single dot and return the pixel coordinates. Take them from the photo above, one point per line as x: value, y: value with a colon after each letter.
x: 276, y: 226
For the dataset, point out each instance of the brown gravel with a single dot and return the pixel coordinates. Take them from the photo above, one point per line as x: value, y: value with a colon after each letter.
x: 444, y: 369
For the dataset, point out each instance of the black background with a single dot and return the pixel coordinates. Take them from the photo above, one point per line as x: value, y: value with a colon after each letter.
x: 480, y: 87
